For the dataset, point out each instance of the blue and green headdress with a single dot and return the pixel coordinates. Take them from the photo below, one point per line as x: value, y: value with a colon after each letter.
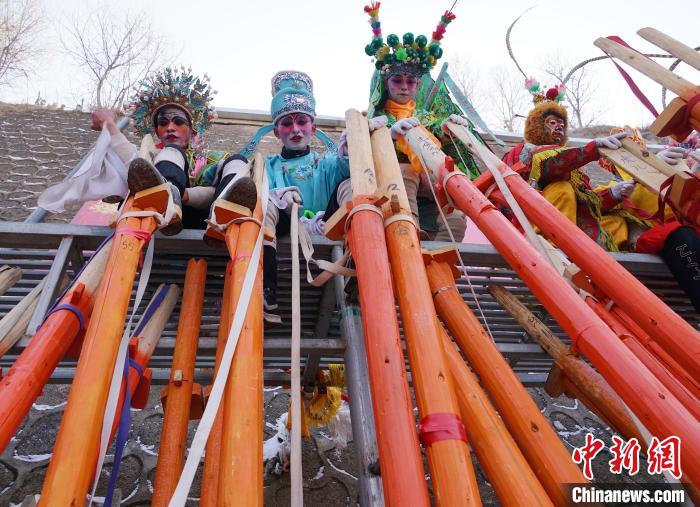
x: 172, y: 87
x: 408, y: 55
x: 292, y: 92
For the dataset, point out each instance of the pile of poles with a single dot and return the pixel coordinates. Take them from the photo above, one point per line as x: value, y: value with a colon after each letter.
x: 467, y: 395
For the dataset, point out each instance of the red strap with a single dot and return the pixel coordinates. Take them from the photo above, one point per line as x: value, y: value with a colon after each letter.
x: 443, y: 426
x: 641, y: 213
x: 630, y: 82
x: 137, y: 233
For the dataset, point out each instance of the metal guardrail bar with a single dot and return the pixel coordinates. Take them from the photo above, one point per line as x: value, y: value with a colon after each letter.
x: 357, y: 379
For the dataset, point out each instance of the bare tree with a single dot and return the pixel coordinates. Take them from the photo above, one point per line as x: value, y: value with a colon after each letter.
x: 509, y: 99
x: 116, y: 50
x: 20, y: 25
x: 466, y: 76
x: 580, y: 90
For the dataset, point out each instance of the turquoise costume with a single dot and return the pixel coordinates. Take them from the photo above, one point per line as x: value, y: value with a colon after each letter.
x: 316, y: 175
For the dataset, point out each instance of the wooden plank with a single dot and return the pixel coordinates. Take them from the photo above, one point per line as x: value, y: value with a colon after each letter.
x: 678, y: 49
x: 9, y: 275
x: 642, y: 172
x: 362, y: 173
x: 684, y: 89
x: 14, y: 323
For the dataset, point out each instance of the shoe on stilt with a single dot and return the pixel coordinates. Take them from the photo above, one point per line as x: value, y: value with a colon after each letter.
x: 143, y: 176
x: 238, y: 198
x: 270, y: 307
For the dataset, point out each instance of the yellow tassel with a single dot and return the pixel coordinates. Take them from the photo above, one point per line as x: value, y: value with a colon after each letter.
x: 323, y: 407
x: 337, y: 373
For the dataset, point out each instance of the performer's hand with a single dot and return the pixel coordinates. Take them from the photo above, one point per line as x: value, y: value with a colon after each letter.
x: 316, y: 224
x: 694, y: 161
x: 671, y: 155
x: 376, y: 122
x: 454, y: 118
x: 343, y: 144
x: 290, y: 197
x: 622, y: 189
x: 612, y: 142
x: 400, y: 128
x: 101, y: 117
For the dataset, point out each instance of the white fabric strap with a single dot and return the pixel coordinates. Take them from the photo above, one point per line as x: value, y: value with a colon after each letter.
x: 222, y: 227
x: 361, y: 207
x: 297, y: 484
x: 201, y: 436
x: 328, y: 268
x: 118, y: 371
x: 399, y: 217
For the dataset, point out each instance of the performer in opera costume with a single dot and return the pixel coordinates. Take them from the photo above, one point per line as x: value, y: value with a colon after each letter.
x: 401, y: 96
x: 175, y: 105
x: 297, y: 174
x: 549, y: 165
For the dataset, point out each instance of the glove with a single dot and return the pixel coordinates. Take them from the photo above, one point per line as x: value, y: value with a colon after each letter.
x: 315, y: 225
x: 399, y: 128
x: 671, y: 155
x: 376, y: 122
x: 612, y: 142
x: 343, y: 144
x: 622, y: 189
x: 694, y: 161
x: 284, y: 198
x: 454, y: 118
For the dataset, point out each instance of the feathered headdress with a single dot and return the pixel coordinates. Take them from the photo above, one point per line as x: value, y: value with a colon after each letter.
x: 557, y: 93
x: 410, y: 54
x: 171, y: 87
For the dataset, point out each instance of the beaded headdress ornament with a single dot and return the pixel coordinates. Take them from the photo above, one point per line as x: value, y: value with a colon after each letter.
x: 172, y: 87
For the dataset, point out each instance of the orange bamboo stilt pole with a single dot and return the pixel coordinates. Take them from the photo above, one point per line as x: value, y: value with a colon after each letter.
x: 403, y: 476
x: 24, y: 382
x: 669, y: 363
x: 671, y: 382
x: 666, y: 327
x: 73, y: 461
x: 241, y: 461
x: 210, y: 477
x: 660, y: 411
x: 452, y: 473
x: 171, y: 453
x: 550, y: 460
x: 585, y: 383
x: 507, y: 469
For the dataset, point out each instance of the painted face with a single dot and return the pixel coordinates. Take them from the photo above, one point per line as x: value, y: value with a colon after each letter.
x: 173, y: 127
x: 402, y: 87
x: 295, y: 130
x: 555, y: 126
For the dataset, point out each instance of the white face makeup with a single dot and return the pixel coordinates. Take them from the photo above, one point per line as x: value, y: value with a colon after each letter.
x: 295, y: 131
x: 402, y: 87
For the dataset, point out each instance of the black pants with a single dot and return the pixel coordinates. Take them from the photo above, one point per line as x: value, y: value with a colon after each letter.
x: 681, y: 253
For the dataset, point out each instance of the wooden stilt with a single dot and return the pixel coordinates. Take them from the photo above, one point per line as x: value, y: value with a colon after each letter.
x: 596, y: 391
x: 69, y: 474
x: 210, y: 478
x: 32, y: 369
x: 507, y: 469
x: 9, y: 275
x: 448, y: 459
x: 659, y: 410
x: 550, y: 460
x: 171, y: 453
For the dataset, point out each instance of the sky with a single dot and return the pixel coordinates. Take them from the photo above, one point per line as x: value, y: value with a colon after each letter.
x: 242, y: 44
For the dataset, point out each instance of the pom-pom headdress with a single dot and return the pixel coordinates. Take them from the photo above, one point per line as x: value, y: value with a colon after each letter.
x: 556, y: 93
x: 410, y: 54
x: 171, y: 87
